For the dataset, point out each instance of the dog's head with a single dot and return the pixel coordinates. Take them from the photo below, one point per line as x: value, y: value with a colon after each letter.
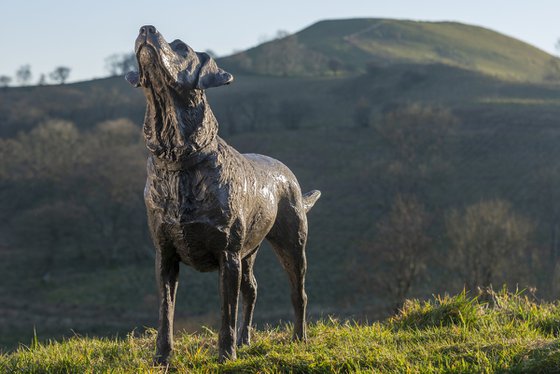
x: 173, y: 64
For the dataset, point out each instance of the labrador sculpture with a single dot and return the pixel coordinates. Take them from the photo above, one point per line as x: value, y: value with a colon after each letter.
x: 209, y: 206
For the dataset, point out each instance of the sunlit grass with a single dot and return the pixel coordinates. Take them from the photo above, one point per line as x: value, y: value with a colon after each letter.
x: 508, y: 333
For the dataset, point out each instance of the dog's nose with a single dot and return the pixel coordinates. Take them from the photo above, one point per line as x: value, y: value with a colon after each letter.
x: 147, y: 30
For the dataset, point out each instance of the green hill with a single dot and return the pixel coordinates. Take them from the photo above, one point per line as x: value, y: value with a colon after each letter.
x: 510, y: 334
x: 343, y: 46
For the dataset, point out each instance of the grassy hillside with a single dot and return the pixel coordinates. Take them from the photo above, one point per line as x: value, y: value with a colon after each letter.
x: 506, y: 133
x: 342, y: 46
x: 507, y: 333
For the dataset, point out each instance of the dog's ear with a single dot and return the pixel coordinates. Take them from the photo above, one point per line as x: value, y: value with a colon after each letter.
x: 210, y: 75
x: 133, y: 77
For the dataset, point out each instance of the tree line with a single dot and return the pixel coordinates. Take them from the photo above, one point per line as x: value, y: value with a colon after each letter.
x: 115, y: 64
x: 24, y: 76
x: 66, y: 201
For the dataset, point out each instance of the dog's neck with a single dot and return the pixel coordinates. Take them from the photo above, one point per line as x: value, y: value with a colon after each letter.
x: 178, y: 125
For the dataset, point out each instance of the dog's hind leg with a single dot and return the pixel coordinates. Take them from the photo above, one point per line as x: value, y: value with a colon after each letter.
x: 249, y: 293
x: 288, y: 238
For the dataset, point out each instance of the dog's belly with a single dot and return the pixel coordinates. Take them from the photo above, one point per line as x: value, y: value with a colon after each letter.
x: 198, y: 244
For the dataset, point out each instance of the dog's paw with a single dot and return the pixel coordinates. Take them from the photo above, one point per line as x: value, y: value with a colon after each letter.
x: 224, y: 356
x: 161, y: 360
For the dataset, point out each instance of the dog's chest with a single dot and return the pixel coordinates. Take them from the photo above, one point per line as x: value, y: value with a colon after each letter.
x: 188, y: 210
x: 187, y: 196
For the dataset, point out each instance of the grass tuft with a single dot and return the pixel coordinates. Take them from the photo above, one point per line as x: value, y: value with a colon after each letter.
x: 458, y: 310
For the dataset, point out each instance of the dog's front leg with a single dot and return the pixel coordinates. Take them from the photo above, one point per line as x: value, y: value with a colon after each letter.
x: 167, y: 276
x: 230, y: 280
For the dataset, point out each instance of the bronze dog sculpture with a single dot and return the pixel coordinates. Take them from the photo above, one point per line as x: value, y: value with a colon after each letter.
x: 209, y: 206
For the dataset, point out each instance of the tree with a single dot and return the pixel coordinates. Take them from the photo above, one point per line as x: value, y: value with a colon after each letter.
x: 280, y: 34
x: 109, y: 192
x: 416, y: 137
x: 60, y: 74
x: 416, y: 133
x: 121, y: 63
x: 334, y: 65
x: 95, y: 175
x: 398, y: 255
x: 487, y: 241
x: 49, y: 152
x: 42, y: 80
x: 5, y: 80
x: 23, y: 75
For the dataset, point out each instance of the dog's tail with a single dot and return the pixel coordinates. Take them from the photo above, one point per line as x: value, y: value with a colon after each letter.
x: 310, y: 198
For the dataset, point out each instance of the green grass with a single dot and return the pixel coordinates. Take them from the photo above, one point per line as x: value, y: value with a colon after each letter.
x: 509, y: 333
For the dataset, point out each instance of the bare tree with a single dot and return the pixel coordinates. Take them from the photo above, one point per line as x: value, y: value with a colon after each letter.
x: 5, y: 81
x: 417, y: 138
x: 415, y: 132
x: 42, y: 80
x: 60, y: 74
x: 334, y: 65
x: 280, y: 34
x: 398, y: 256
x: 120, y: 63
x: 487, y: 241
x: 23, y: 75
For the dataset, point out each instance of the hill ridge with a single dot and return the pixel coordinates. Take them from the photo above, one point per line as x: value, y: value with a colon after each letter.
x: 346, y: 46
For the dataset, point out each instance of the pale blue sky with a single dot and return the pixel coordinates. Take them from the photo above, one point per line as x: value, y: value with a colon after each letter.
x: 82, y: 33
